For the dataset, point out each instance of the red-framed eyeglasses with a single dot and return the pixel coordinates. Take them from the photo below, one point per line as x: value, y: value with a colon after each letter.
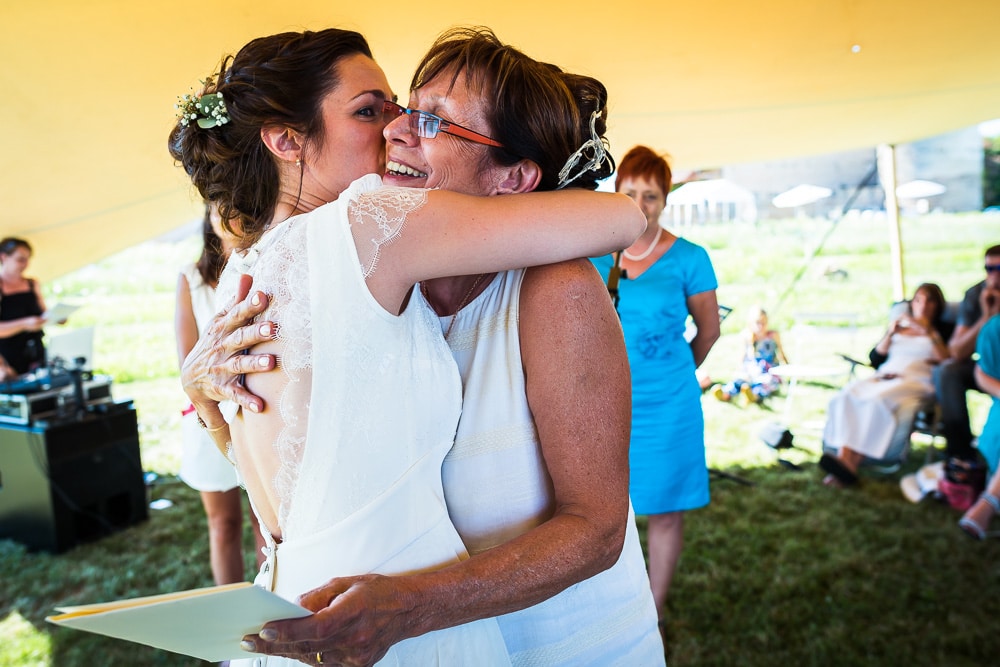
x: 426, y: 125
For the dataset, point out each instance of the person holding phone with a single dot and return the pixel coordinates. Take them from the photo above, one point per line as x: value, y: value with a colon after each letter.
x: 955, y: 377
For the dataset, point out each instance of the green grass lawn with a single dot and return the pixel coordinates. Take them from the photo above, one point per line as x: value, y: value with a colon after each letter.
x: 786, y: 572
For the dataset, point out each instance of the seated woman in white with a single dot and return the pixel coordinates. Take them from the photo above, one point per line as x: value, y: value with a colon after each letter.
x: 864, y: 417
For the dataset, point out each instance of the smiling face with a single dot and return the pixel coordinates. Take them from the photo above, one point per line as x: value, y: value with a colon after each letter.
x: 647, y: 194
x: 446, y: 161
x: 351, y: 144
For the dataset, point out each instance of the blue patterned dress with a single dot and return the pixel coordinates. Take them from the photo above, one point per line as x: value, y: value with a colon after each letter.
x: 667, y: 454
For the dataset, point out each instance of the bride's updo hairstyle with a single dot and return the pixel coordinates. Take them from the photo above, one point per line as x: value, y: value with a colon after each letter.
x: 275, y: 80
x: 534, y: 109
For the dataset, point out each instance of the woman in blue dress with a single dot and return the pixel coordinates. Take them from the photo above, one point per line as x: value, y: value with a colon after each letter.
x: 665, y: 279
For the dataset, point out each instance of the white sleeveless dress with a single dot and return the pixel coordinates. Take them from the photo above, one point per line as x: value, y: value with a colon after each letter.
x: 361, y: 441
x: 872, y: 414
x: 203, y: 467
x: 497, y: 487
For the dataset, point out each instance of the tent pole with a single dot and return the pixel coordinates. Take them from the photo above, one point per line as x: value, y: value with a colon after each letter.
x: 886, y: 158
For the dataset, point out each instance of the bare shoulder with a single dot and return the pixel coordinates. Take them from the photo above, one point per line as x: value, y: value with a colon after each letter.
x: 565, y: 307
x: 573, y: 279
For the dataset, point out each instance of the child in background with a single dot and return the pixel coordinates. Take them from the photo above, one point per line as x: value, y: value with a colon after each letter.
x: 761, y: 351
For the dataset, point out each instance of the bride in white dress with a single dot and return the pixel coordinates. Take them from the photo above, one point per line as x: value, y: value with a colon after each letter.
x: 344, y: 466
x: 864, y: 417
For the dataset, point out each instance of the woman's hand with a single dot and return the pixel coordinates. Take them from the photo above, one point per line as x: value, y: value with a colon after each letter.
x: 33, y: 323
x: 899, y: 324
x: 356, y: 621
x: 213, y: 370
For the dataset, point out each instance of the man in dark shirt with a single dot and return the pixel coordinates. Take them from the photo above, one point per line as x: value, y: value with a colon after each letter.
x: 954, y: 378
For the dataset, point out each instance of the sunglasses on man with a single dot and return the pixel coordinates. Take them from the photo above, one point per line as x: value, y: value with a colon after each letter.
x: 426, y: 125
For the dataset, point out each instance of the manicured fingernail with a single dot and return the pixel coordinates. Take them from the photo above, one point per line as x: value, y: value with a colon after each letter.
x: 265, y: 329
x: 268, y: 635
x: 254, y: 408
x: 248, y: 645
x: 263, y: 362
x: 255, y: 299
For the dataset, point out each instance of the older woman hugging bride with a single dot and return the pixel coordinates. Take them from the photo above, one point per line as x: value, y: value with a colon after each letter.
x: 344, y: 463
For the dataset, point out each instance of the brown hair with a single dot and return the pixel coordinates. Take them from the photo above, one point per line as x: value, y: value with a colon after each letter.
x: 935, y: 296
x: 643, y: 162
x: 212, y: 260
x: 281, y: 80
x: 10, y: 244
x: 534, y: 109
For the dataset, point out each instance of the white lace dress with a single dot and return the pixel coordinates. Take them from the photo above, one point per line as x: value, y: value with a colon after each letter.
x: 352, y: 455
x: 871, y: 414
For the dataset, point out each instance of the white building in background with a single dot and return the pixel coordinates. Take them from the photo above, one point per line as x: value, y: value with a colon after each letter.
x: 953, y: 160
x: 713, y: 200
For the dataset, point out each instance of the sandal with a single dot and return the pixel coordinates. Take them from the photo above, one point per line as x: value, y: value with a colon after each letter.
x: 972, y: 528
x: 841, y: 472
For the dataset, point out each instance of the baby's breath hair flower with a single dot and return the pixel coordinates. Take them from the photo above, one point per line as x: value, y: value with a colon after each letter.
x: 207, y: 110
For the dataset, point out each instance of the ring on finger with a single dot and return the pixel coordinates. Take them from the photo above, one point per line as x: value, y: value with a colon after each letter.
x: 319, y: 657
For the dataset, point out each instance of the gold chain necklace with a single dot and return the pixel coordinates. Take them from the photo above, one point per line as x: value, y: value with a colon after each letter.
x: 461, y: 305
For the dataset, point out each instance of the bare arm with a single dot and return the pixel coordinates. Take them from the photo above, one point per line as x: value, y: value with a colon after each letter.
x: 456, y: 234
x: 185, y: 327
x: 39, y: 296
x: 963, y: 340
x: 781, y: 356
x: 704, y: 309
x: 13, y: 327
x: 987, y: 383
x: 578, y: 388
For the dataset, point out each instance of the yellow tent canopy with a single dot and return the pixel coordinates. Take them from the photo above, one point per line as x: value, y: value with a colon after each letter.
x: 89, y: 87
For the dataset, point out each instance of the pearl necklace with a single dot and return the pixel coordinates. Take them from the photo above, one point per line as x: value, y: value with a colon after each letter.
x: 461, y: 305
x: 648, y: 251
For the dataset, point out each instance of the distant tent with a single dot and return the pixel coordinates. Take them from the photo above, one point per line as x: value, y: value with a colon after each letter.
x: 714, y: 200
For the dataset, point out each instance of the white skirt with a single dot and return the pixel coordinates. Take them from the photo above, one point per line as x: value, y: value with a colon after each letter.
x: 203, y: 467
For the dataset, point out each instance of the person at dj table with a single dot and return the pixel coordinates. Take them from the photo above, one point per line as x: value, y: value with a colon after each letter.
x: 22, y: 309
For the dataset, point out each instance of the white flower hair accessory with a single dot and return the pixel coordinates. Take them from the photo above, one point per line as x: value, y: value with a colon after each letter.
x: 208, y: 110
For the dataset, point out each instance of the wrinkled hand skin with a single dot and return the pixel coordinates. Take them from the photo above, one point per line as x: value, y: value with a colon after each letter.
x: 355, y: 622
x: 213, y: 370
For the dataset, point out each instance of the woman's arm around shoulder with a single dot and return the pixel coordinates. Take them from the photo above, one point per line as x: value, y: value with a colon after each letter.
x: 457, y: 234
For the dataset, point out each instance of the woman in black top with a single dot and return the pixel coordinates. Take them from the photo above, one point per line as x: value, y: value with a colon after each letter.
x: 21, y: 308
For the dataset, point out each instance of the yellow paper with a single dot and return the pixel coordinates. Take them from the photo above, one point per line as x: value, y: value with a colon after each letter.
x: 206, y: 623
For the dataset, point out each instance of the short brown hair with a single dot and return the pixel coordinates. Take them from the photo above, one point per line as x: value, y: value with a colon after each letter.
x: 534, y: 109
x: 643, y: 162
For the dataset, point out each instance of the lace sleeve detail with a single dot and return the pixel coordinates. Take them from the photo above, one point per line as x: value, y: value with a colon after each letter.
x: 377, y: 219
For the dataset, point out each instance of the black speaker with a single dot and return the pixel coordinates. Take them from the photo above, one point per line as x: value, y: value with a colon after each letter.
x: 71, y: 481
